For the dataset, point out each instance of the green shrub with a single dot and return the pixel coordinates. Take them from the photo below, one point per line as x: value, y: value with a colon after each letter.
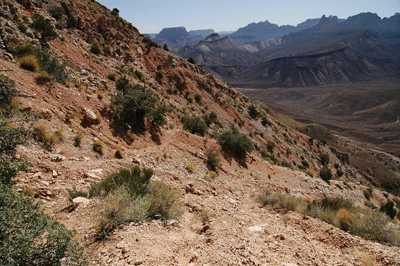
x: 56, y: 11
x: 339, y: 173
x: 324, y: 159
x: 372, y: 225
x: 51, y: 65
x: 24, y: 49
x: 29, y: 237
x: 206, y: 84
x: 333, y: 203
x: 128, y: 196
x: 22, y: 28
x: 139, y: 75
x: 135, y: 105
x: 95, y: 49
x: 265, y: 121
x: 191, y: 60
x: 134, y: 180
x: 150, y: 43
x: 389, y: 209
x: 198, y: 98
x: 270, y: 146
x: 325, y: 173
x: 253, y: 112
x: 160, y: 74
x: 165, y: 47
x: 212, y: 158
x: 111, y: 76
x: 43, y: 25
x: 235, y: 142
x: 7, y: 90
x: 194, y: 125
x: 122, y: 84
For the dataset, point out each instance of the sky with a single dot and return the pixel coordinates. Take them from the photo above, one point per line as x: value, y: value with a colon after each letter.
x: 230, y: 15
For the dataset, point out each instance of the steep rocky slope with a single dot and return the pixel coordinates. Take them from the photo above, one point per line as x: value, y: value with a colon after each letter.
x: 238, y: 231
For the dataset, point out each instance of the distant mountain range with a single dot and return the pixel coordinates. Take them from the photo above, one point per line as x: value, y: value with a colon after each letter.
x: 360, y: 48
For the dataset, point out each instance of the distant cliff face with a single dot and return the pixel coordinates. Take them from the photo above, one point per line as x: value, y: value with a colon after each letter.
x: 173, y: 33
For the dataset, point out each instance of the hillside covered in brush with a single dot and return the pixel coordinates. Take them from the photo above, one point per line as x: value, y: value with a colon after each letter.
x: 144, y: 158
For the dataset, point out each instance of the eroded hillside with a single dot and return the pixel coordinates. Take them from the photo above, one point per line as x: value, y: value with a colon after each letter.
x: 221, y: 222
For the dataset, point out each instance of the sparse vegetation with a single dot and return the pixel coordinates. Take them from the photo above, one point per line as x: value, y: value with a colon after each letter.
x: 324, y: 159
x: 28, y: 62
x: 325, y: 173
x: 339, y: 212
x: 191, y: 60
x: 212, y: 159
x: 95, y: 49
x: 99, y: 147
x: 137, y: 104
x: 7, y: 90
x: 43, y: 25
x: 194, y: 125
x: 129, y: 196
x: 253, y: 112
x: 111, y: 76
x: 23, y: 224
x: 190, y: 167
x: 235, y: 142
x: 78, y: 138
x: 119, y: 154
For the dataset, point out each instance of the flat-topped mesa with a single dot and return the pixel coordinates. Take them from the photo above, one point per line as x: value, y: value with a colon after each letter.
x: 170, y: 33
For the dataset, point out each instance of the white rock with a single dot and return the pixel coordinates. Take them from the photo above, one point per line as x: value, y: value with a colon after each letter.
x: 81, y: 200
x: 57, y: 158
x: 91, y: 175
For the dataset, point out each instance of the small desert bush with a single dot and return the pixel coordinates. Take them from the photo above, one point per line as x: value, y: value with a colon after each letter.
x: 78, y: 138
x: 99, y: 147
x: 212, y: 159
x: 235, y: 142
x: 111, y: 76
x: 134, y: 179
x: 190, y: 167
x: 119, y: 153
x: 212, y: 174
x: 131, y: 135
x: 42, y: 77
x: 282, y: 200
x: 41, y: 133
x: 7, y: 90
x: 324, y: 159
x: 194, y: 125
x: 28, y: 62
x: 100, y: 95
x: 129, y: 196
x: 68, y: 117
x: 30, y: 237
x: 325, y: 173
x: 95, y: 49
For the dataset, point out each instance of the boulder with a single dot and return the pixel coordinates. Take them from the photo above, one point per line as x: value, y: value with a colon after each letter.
x: 90, y: 116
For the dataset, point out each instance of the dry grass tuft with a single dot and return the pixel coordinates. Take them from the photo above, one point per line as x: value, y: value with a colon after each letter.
x: 28, y: 62
x: 190, y: 167
x: 99, y: 147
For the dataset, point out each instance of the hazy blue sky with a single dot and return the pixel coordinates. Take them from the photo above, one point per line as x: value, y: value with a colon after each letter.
x: 229, y: 15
